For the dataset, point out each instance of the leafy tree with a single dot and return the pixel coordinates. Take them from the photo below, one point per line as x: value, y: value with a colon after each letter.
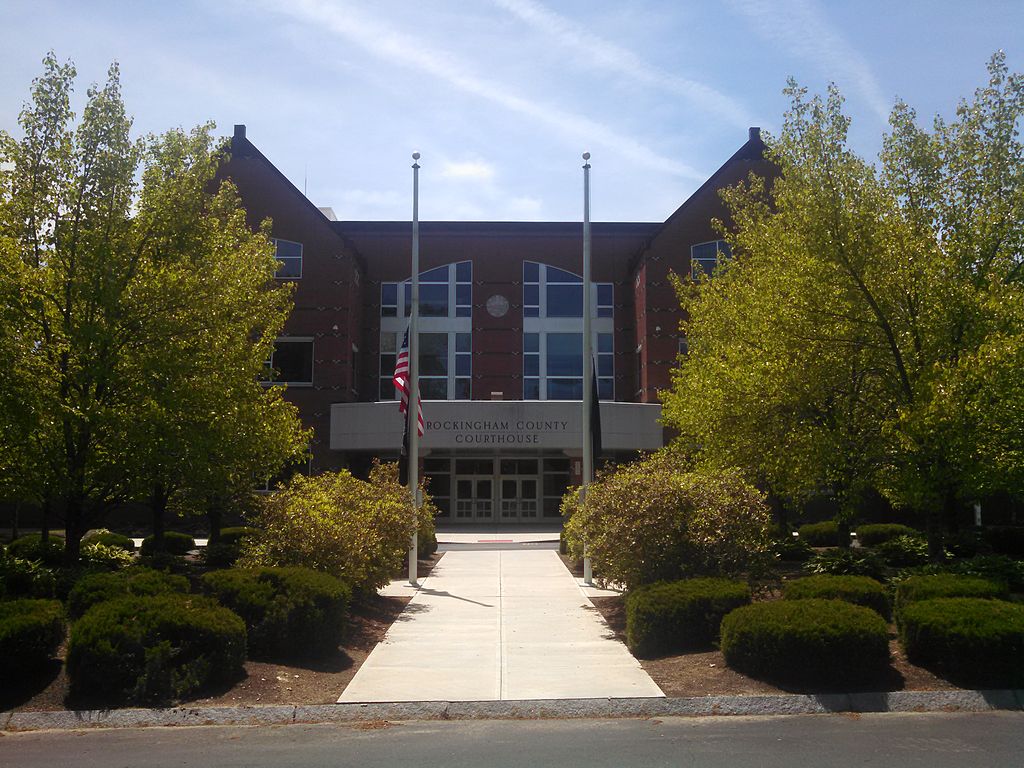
x: 872, y: 317
x: 139, y: 313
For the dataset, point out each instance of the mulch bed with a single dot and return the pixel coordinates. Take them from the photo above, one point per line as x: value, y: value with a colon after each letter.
x: 318, y: 681
x: 706, y: 674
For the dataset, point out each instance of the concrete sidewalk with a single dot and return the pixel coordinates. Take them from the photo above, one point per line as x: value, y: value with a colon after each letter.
x: 498, y: 625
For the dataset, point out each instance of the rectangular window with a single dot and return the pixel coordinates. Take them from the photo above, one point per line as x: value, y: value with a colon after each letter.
x: 463, y: 366
x: 389, y: 299
x: 434, y: 366
x: 289, y: 257
x: 292, y: 361
x: 705, y: 258
x: 605, y: 299
x: 564, y: 300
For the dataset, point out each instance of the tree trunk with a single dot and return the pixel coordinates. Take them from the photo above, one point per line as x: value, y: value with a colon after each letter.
x: 215, y: 517
x: 14, y: 526
x: 933, y: 528
x: 158, y: 506
x: 950, y: 510
x: 73, y: 514
x: 44, y: 521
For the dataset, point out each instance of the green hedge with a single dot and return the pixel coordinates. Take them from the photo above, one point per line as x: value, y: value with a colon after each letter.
x: 175, y: 543
x: 679, y: 615
x: 30, y: 633
x: 1006, y: 540
x: 31, y: 547
x: 792, y: 549
x: 859, y: 590
x: 228, y: 548
x: 875, y: 533
x: 847, y: 562
x: 918, y: 588
x: 97, y: 588
x: 976, y: 642
x: 806, y: 641
x: 820, y: 534
x: 288, y: 611
x: 109, y: 539
x: 153, y: 649
x: 237, y: 533
x: 904, y: 551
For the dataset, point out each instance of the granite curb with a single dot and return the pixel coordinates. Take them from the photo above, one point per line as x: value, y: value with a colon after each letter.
x: 538, y: 709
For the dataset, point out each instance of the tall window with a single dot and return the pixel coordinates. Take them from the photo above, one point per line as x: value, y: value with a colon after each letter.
x: 445, y: 332
x: 291, y: 362
x: 705, y: 258
x: 553, y: 334
x: 289, y: 257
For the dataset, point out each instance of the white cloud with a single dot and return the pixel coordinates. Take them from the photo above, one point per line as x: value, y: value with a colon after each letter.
x: 609, y: 56
x: 385, y: 42
x: 473, y: 170
x: 802, y: 29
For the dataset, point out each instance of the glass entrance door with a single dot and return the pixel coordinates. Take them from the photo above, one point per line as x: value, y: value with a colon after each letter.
x: 518, y: 498
x: 474, y: 498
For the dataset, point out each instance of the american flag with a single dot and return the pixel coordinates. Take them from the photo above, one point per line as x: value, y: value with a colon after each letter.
x: 401, y: 379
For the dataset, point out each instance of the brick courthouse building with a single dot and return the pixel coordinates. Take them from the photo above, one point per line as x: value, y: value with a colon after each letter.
x: 500, y: 335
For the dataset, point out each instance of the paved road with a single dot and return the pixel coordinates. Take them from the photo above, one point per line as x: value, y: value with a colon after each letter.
x: 989, y: 740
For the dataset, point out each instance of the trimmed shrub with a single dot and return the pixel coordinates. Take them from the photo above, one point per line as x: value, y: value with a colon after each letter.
x: 847, y: 562
x: 98, y: 556
x: 806, y: 641
x: 1006, y: 540
x: 917, y: 588
x: 154, y: 649
x: 998, y: 568
x: 228, y: 548
x: 649, y: 521
x: 288, y: 611
x: 27, y: 578
x: 904, y: 551
x: 175, y: 543
x: 820, y: 534
x: 30, y: 633
x: 338, y: 524
x: 31, y: 547
x: 97, y: 588
x: 108, y: 539
x: 236, y: 534
x: 679, y: 615
x: 876, y: 533
x: 859, y: 590
x: 974, y: 641
x: 792, y: 550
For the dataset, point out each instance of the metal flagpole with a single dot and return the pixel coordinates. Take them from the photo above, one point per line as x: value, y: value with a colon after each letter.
x: 588, y: 370
x: 414, y: 368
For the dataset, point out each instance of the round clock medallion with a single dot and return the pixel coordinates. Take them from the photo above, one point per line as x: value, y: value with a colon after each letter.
x: 497, y: 305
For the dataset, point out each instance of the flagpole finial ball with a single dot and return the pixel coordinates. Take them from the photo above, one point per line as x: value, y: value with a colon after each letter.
x: 586, y: 155
x: 415, y: 155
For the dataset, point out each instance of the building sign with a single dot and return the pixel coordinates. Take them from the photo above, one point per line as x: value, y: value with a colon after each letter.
x: 496, y: 425
x: 504, y: 432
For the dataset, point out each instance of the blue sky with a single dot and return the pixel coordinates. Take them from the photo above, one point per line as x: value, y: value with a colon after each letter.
x: 502, y: 96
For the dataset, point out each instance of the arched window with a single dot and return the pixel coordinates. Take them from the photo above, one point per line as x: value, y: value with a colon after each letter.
x: 553, y: 334
x: 445, y: 332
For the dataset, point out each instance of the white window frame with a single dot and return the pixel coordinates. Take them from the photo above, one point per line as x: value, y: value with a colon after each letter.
x: 312, y: 361
x: 282, y: 261
x: 721, y: 248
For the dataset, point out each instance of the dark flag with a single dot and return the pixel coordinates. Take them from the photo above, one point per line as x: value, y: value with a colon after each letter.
x: 595, y: 416
x: 403, y: 457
